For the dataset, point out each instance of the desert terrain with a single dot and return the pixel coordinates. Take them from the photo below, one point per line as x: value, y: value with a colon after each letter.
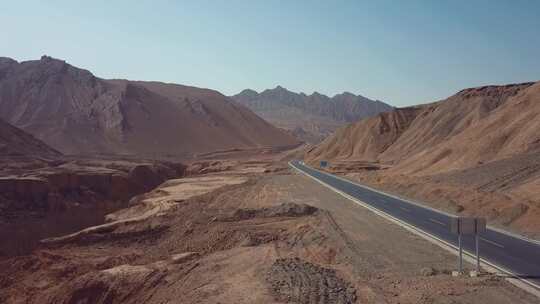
x: 236, y: 225
x: 287, y: 152
x: 227, y: 232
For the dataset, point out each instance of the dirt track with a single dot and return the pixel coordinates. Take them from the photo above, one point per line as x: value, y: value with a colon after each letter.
x: 294, y: 280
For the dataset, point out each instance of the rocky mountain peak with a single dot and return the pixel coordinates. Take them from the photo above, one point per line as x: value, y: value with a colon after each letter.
x: 347, y: 95
x: 249, y: 92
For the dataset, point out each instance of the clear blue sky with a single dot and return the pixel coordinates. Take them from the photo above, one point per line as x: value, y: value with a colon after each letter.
x: 402, y: 52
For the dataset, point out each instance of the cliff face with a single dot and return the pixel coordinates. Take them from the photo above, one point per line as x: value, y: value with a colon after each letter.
x: 39, y: 199
x: 47, y: 189
x: 77, y: 113
x: 313, y: 116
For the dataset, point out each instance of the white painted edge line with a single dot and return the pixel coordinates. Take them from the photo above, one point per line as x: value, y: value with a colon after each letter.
x: 405, y: 209
x: 437, y: 222
x: 469, y: 257
x: 517, y: 236
x: 424, y: 205
x: 491, y: 242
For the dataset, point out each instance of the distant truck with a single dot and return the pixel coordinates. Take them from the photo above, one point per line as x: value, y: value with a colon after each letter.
x: 323, y: 164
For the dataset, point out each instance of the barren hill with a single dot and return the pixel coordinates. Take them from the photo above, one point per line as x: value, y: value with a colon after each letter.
x: 77, y: 113
x: 478, y: 119
x: 15, y: 142
x: 478, y: 151
x: 310, y: 117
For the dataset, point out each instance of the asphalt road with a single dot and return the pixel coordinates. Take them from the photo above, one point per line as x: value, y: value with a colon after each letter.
x: 519, y: 256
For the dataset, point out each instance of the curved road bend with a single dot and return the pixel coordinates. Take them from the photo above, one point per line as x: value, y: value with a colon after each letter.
x: 519, y: 256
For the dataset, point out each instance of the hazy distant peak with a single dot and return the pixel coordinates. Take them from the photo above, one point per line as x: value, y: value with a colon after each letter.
x: 277, y: 91
x: 347, y: 94
x: 280, y: 89
x: 246, y: 95
x: 317, y: 94
x: 249, y: 91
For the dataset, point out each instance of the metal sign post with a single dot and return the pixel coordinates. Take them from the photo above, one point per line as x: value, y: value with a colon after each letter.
x: 467, y: 226
x: 455, y: 228
x: 479, y: 227
x: 477, y: 254
x: 460, y: 267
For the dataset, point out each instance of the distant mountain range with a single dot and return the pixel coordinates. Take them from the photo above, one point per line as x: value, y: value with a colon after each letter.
x: 75, y: 112
x: 309, y: 117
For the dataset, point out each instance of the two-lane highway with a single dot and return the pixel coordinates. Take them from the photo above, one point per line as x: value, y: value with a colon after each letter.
x: 514, y: 255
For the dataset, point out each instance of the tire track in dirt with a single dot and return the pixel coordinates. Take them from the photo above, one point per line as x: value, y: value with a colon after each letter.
x: 297, y: 281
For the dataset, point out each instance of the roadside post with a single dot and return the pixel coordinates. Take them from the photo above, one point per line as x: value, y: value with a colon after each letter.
x: 460, y: 267
x: 480, y: 227
x: 464, y: 226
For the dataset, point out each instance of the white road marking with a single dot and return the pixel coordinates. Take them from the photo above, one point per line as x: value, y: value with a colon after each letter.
x: 404, y: 209
x: 492, y: 242
x: 437, y: 222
